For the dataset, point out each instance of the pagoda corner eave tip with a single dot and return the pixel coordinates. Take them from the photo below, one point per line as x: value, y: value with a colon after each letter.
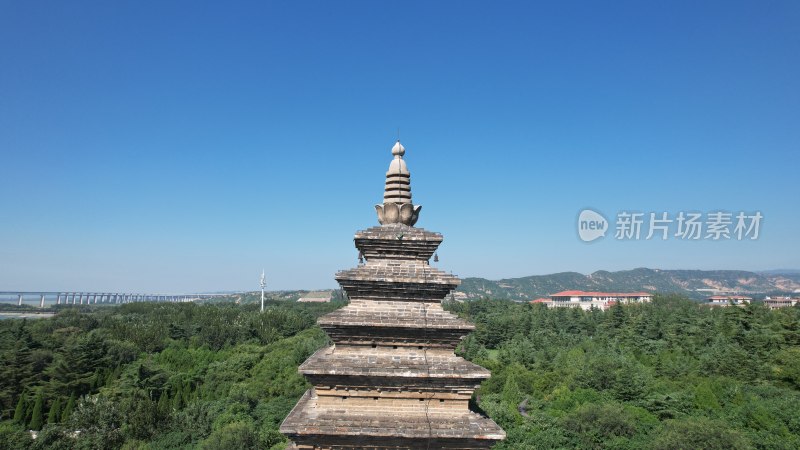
x: 492, y: 437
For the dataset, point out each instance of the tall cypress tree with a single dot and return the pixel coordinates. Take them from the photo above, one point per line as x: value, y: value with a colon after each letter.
x: 164, y: 404
x: 37, y: 420
x: 177, y: 402
x: 68, y: 409
x: 22, y: 407
x: 187, y: 392
x: 55, y: 411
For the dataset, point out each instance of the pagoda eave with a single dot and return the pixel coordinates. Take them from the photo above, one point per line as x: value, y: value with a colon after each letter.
x: 319, y: 425
x: 397, y: 363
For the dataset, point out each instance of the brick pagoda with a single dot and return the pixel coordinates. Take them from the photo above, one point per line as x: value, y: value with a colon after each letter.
x: 391, y: 379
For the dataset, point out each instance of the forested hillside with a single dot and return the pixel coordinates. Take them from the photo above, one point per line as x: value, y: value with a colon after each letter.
x: 666, y: 375
x: 155, y: 376
x: 684, y: 282
x: 671, y: 374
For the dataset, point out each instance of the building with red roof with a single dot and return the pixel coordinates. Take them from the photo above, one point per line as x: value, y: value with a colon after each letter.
x: 545, y: 301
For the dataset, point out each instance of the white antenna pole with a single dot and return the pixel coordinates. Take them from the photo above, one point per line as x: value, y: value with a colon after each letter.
x: 263, y: 285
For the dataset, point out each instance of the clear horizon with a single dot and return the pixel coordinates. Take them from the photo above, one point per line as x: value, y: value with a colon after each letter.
x: 155, y: 147
x: 311, y: 289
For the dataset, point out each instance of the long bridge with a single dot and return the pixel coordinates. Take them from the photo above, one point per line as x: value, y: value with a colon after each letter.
x: 90, y: 298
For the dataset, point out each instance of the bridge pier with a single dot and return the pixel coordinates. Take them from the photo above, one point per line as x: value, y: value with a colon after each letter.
x: 58, y: 299
x: 19, y: 300
x: 41, y: 302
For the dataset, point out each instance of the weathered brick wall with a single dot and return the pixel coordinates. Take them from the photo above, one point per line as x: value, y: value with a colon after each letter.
x: 391, y: 379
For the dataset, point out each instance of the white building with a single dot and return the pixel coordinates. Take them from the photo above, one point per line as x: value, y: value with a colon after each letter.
x: 780, y: 302
x: 316, y: 297
x: 599, y: 300
x: 728, y: 300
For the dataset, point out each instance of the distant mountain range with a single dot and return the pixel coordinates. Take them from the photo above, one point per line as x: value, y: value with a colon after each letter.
x: 693, y: 283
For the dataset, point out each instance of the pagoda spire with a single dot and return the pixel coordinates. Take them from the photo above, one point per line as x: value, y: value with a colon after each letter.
x: 397, y: 207
x: 390, y: 378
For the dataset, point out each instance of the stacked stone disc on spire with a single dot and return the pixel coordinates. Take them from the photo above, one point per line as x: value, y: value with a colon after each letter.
x: 397, y: 206
x: 391, y: 379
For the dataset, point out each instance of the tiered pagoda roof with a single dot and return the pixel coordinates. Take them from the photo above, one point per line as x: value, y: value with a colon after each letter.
x: 391, y: 380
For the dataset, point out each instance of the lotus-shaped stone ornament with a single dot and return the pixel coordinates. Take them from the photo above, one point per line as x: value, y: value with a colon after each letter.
x: 405, y: 213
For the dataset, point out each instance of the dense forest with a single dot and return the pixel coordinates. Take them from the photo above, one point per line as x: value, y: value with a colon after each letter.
x: 155, y: 375
x: 667, y: 375
x: 671, y: 374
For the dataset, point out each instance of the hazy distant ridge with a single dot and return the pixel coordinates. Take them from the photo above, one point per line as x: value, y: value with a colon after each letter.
x: 642, y: 279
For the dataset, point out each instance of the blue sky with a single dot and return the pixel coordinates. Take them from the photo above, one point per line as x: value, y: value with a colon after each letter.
x: 182, y: 146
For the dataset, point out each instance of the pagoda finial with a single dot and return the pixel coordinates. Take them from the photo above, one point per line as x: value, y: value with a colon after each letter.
x: 397, y: 206
x: 398, y: 150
